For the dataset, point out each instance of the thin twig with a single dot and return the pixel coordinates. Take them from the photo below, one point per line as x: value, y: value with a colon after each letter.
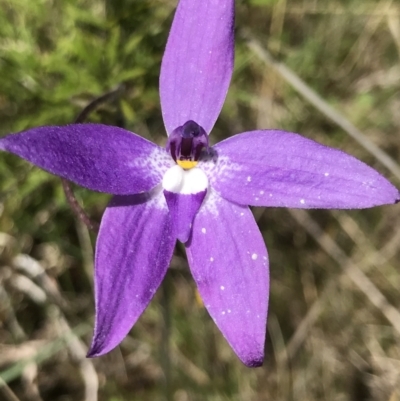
x: 319, y: 103
x: 75, y: 346
x: 69, y: 193
x: 77, y: 208
x: 359, y: 47
x: 374, y: 257
x: 86, y: 248
x: 351, y: 269
x: 77, y: 351
x: 29, y: 380
x: 9, y: 316
x: 95, y: 103
x: 25, y: 285
x: 33, y: 269
x: 7, y: 392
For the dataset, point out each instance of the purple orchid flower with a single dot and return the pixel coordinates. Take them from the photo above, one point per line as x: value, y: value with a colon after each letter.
x: 193, y: 192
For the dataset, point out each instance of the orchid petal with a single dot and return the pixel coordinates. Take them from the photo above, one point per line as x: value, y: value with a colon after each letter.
x: 99, y: 157
x: 229, y: 263
x: 133, y: 251
x: 184, y: 191
x: 198, y: 63
x: 183, y: 209
x: 277, y: 168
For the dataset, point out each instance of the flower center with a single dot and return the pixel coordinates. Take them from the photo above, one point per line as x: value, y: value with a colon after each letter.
x: 186, y: 144
x: 184, y: 192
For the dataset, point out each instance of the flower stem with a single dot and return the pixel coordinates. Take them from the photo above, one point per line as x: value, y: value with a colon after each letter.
x: 69, y: 193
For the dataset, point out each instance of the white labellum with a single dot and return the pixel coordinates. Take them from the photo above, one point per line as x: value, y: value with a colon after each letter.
x: 185, y: 182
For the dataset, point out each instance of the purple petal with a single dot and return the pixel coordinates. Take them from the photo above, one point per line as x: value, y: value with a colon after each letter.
x: 99, y: 157
x: 229, y: 263
x: 198, y: 63
x: 133, y: 251
x: 183, y: 209
x: 277, y: 168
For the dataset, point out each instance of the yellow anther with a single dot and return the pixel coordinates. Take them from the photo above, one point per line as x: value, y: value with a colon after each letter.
x: 186, y: 164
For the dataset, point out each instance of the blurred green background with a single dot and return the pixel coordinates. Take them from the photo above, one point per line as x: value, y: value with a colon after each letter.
x: 334, y: 325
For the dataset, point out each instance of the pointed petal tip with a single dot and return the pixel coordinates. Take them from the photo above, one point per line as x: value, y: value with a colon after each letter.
x: 229, y: 263
x: 102, y: 344
x: 249, y: 349
x: 253, y: 361
x: 389, y: 197
x: 92, y: 354
x: 97, y: 349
